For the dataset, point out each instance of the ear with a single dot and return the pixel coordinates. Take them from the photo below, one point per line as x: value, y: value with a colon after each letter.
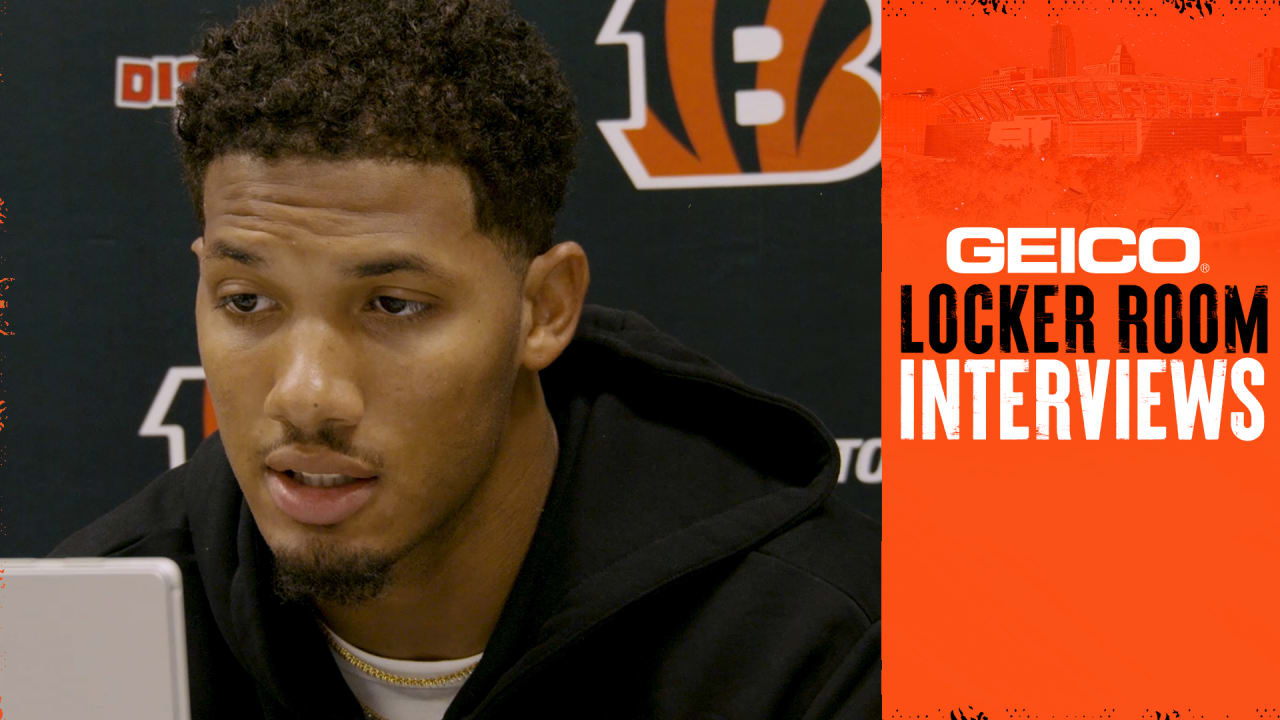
x: 197, y: 247
x: 555, y: 286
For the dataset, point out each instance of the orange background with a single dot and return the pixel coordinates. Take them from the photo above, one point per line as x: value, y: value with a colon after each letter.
x: 1076, y: 578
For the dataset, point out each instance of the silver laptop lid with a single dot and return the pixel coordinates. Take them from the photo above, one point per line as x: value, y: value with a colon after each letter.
x: 92, y: 637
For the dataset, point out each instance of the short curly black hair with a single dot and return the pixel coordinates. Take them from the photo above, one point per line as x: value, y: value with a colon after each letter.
x: 465, y: 82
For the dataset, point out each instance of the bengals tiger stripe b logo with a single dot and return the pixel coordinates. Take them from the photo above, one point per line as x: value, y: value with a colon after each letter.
x: 746, y: 92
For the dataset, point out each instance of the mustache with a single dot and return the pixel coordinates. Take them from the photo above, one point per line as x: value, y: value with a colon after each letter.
x: 328, y: 437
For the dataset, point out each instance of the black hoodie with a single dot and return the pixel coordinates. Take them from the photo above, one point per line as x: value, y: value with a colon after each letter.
x: 688, y: 562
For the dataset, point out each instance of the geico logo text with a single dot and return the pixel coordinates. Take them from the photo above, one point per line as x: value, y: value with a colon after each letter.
x: 982, y: 250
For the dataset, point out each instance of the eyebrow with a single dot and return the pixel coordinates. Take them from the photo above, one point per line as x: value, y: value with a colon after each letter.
x: 393, y: 263
x: 386, y: 265
x: 221, y: 249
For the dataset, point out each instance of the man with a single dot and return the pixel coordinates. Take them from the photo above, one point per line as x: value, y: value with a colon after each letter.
x: 442, y: 487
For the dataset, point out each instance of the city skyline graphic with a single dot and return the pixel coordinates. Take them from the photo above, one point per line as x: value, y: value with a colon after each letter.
x: 1116, y: 105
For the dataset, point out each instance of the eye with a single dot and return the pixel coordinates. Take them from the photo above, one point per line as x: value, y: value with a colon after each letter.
x: 398, y: 307
x: 245, y: 303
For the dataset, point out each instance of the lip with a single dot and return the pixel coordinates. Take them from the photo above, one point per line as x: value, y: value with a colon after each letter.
x: 317, y: 462
x: 318, y: 505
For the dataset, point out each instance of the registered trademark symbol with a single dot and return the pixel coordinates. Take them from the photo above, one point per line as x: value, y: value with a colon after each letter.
x: 1204, y: 267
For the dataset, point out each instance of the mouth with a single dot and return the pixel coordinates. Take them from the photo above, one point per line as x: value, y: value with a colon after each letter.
x: 323, y: 480
x: 317, y: 486
x: 318, y: 498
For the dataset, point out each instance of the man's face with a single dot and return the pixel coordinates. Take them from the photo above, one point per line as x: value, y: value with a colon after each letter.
x: 360, y: 340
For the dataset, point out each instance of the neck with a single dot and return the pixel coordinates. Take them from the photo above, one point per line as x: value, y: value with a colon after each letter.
x: 445, y: 596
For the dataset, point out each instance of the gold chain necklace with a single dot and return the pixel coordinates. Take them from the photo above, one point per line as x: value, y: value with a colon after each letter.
x: 384, y: 676
x: 401, y: 680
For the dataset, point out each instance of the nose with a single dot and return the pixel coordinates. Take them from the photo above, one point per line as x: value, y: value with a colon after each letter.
x: 315, y: 385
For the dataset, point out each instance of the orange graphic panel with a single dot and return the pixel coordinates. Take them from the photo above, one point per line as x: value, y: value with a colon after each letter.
x: 1081, y: 237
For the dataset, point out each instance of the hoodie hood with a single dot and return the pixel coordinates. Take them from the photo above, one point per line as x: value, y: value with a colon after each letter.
x: 668, y: 464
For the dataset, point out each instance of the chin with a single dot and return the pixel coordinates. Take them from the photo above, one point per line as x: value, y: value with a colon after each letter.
x: 331, y: 570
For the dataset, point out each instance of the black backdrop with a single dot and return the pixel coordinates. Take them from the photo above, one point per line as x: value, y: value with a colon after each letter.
x: 778, y: 283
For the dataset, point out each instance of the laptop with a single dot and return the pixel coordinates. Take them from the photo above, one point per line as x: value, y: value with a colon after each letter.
x: 100, y: 638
